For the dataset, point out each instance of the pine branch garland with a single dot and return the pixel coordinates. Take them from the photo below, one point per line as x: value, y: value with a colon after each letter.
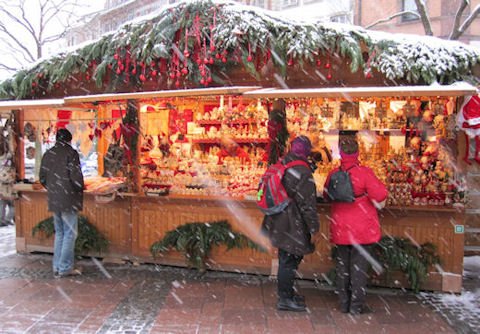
x: 196, y: 240
x: 88, y: 239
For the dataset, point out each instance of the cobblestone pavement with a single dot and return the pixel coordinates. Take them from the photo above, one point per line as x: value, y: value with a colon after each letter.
x: 461, y: 311
x: 111, y: 298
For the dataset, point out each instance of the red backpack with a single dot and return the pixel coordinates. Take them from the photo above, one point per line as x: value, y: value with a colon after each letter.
x: 272, y: 198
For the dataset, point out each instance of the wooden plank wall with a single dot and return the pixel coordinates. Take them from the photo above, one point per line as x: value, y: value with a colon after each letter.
x: 134, y: 223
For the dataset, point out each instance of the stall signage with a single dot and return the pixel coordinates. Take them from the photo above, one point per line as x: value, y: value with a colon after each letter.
x: 459, y: 229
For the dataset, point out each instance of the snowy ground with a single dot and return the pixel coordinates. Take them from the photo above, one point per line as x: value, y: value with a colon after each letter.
x: 461, y: 311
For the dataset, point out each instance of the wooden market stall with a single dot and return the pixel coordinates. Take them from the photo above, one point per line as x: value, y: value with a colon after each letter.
x: 149, y: 121
x: 133, y: 221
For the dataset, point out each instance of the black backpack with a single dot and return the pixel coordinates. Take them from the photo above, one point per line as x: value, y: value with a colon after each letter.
x: 339, y: 188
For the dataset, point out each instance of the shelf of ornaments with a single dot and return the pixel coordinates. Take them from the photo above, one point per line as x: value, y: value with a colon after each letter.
x: 230, y: 122
x: 259, y: 141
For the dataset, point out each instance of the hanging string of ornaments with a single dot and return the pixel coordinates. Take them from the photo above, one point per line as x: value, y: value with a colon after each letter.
x: 197, y: 44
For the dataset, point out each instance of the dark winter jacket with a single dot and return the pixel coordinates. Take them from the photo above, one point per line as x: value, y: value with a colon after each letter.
x: 291, y: 229
x: 61, y: 175
x: 357, y: 222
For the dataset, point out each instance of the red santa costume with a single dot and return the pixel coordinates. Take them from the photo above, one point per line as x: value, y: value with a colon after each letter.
x: 468, y: 119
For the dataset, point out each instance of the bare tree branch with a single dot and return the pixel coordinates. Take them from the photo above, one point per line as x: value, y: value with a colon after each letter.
x: 24, y: 28
x: 422, y: 10
x: 456, y: 33
x: 458, y: 18
x: 391, y: 17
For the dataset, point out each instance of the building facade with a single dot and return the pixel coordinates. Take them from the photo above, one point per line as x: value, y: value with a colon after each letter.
x: 371, y: 14
x: 441, y: 13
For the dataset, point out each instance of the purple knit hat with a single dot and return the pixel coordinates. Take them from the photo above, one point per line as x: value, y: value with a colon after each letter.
x: 301, y: 146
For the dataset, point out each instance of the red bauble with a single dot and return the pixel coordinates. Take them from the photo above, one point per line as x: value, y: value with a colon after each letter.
x: 186, y: 53
x: 319, y: 63
x: 218, y: 56
x: 328, y: 65
x: 290, y: 62
x: 142, y: 78
x: 202, y: 81
x: 205, y: 60
x: 115, y: 56
x: 134, y: 71
x: 172, y: 75
x: 212, y: 47
x: 329, y: 76
x: 154, y: 73
x: 224, y: 59
x: 119, y: 70
x: 369, y: 75
x: 209, y: 79
x: 184, y: 71
x: 177, y: 83
x: 152, y: 63
x: 249, y: 58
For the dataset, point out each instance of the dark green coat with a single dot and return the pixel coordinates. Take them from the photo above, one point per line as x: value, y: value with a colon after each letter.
x: 61, y: 175
x: 291, y: 229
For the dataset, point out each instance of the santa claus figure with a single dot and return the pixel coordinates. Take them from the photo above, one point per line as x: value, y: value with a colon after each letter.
x: 468, y: 120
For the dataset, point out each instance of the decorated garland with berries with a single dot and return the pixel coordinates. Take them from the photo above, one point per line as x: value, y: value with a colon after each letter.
x: 197, y: 43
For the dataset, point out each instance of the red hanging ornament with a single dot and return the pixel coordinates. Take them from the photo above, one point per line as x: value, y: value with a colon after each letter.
x: 329, y: 76
x: 154, y: 73
x: 290, y: 61
x: 177, y: 83
x: 184, y: 71
x: 328, y: 65
x: 142, y: 78
x: 319, y: 63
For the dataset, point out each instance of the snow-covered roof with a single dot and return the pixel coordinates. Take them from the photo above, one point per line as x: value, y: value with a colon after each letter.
x: 229, y: 36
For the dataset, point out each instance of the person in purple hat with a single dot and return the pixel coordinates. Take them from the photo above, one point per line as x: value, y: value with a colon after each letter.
x: 291, y: 230
x: 354, y: 227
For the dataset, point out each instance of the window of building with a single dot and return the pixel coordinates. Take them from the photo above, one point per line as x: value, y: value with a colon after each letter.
x: 409, y: 5
x: 341, y: 18
x: 290, y: 3
x: 258, y: 3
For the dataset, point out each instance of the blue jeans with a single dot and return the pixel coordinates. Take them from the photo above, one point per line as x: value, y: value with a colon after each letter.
x: 66, y: 231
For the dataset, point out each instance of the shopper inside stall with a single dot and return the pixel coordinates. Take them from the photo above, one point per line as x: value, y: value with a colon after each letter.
x: 230, y: 148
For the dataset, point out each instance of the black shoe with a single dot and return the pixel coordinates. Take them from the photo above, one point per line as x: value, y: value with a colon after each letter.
x: 360, y: 310
x: 299, y: 299
x: 289, y: 304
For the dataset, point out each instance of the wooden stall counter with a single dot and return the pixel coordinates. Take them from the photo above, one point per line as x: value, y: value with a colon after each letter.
x: 133, y: 222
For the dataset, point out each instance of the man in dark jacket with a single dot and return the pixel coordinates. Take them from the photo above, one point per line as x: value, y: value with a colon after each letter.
x: 61, y: 175
x: 291, y: 230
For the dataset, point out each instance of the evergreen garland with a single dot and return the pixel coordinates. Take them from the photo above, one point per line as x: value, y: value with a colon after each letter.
x: 193, y: 44
x: 402, y: 254
x: 195, y: 241
x: 395, y: 254
x: 88, y: 239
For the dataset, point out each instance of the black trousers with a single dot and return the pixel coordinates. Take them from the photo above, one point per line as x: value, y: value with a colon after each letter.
x: 352, y: 276
x: 287, y: 269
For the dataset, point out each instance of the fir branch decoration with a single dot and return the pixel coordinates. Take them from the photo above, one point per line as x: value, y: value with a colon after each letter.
x: 223, y: 37
x: 88, y: 239
x: 402, y: 254
x: 195, y: 241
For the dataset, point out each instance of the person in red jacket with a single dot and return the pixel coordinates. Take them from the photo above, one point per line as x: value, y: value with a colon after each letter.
x: 354, y: 227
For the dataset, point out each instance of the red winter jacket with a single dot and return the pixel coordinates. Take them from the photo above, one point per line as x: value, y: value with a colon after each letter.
x: 357, y: 222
